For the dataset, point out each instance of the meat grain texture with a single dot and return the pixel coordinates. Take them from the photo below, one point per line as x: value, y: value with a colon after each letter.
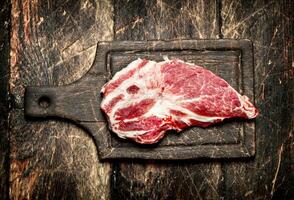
x: 146, y: 99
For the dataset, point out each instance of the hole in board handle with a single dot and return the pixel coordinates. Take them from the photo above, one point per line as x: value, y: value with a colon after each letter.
x: 44, y: 102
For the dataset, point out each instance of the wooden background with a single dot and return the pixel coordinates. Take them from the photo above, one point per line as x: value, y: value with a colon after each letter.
x: 53, y: 43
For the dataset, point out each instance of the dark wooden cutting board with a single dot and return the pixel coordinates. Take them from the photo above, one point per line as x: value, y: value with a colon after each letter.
x: 80, y: 101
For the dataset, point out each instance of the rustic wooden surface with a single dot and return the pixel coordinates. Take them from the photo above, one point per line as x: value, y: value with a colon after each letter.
x: 79, y: 101
x: 269, y: 24
x: 4, y: 105
x: 53, y: 43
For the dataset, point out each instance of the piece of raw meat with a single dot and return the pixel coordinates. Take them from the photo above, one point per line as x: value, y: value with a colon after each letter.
x: 146, y: 99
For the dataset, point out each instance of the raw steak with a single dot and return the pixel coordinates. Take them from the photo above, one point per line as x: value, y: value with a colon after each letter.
x: 146, y: 99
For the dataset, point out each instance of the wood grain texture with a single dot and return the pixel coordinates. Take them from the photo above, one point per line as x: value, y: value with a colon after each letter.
x: 143, y: 20
x: 162, y: 19
x: 53, y: 43
x: 4, y: 96
x: 269, y: 24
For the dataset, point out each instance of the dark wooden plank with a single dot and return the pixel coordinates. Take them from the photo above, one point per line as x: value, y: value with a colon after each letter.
x: 5, y: 9
x: 53, y: 43
x: 269, y: 24
x: 142, y: 20
x: 151, y: 20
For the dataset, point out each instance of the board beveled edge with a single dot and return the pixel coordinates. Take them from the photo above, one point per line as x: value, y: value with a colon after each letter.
x: 246, y: 147
x: 179, y: 153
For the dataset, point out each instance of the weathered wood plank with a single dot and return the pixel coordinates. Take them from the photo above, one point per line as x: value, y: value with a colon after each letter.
x: 146, y: 20
x: 162, y: 19
x: 4, y: 104
x: 53, y: 43
x: 54, y: 161
x: 269, y: 24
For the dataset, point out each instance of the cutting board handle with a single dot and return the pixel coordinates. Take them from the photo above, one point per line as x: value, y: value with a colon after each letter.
x: 67, y: 101
x: 79, y: 101
x: 41, y: 101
